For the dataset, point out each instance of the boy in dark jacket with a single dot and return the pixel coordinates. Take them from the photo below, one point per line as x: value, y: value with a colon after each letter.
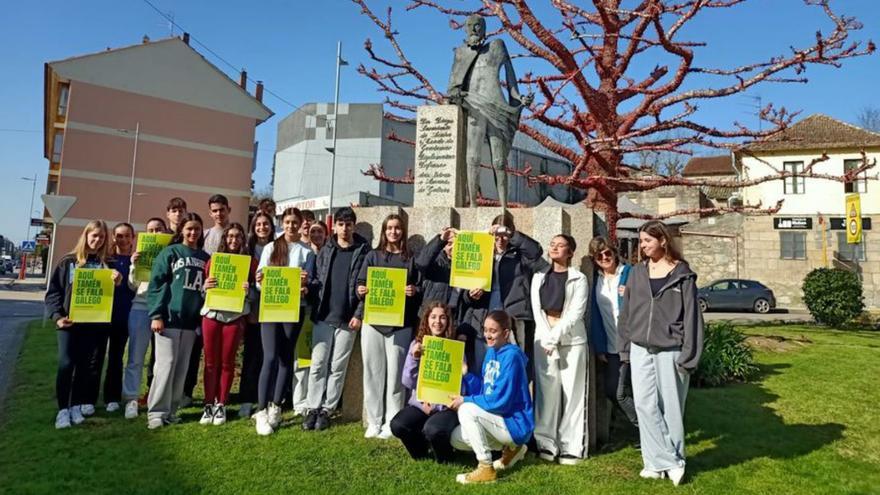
x: 335, y: 325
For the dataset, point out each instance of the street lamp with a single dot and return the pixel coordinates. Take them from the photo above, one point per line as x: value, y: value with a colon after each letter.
x: 137, y: 134
x: 30, y: 209
x: 339, y: 63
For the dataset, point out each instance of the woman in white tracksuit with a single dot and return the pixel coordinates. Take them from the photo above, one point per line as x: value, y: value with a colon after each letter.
x: 559, y: 301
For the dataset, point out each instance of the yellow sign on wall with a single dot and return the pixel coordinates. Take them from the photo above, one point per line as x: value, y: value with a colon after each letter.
x: 472, y: 256
x: 853, y: 219
x: 91, y: 300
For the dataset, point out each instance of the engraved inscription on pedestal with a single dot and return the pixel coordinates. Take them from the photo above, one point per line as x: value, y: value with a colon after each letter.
x: 439, y: 171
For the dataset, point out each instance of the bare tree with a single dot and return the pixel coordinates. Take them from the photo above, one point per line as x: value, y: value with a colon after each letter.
x: 869, y: 118
x: 583, y: 60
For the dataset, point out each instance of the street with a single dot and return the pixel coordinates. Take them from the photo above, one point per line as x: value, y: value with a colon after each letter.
x: 20, y: 302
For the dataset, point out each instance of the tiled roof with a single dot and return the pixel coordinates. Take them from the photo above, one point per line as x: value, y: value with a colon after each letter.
x: 818, y: 132
x: 708, y: 165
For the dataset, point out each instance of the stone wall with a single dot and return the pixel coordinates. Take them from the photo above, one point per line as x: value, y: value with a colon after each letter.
x: 667, y: 199
x: 714, y: 248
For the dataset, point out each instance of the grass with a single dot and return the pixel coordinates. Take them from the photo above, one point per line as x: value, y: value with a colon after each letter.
x: 807, y: 425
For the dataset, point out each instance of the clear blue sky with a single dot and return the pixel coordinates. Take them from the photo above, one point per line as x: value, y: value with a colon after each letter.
x: 291, y: 46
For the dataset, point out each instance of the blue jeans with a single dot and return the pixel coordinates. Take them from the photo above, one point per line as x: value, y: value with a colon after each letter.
x: 139, y: 334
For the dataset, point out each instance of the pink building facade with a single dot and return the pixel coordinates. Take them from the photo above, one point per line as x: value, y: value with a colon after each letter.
x: 129, y: 129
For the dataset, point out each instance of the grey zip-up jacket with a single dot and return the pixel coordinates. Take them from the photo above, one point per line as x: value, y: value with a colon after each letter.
x: 671, y: 320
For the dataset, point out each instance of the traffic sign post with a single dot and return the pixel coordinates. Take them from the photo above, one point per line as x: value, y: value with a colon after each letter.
x: 57, y: 206
x: 28, y: 246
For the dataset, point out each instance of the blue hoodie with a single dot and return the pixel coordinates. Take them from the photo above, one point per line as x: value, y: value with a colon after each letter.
x: 506, y: 391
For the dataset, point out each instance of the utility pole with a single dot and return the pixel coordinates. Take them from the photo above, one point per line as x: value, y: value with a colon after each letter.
x: 339, y: 63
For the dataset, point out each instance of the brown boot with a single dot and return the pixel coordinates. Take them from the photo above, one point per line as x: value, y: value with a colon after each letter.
x: 484, y: 473
x: 509, y: 457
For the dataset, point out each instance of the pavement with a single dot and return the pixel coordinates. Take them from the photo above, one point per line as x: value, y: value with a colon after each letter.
x: 21, y: 301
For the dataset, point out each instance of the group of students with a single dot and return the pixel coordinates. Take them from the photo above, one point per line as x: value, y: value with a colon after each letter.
x: 526, y: 338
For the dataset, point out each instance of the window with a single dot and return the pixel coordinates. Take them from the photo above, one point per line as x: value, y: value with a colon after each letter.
x: 389, y: 189
x: 56, y: 146
x: 63, y: 95
x: 793, y: 245
x: 850, y: 252
x: 725, y: 285
x: 859, y: 185
x: 795, y: 183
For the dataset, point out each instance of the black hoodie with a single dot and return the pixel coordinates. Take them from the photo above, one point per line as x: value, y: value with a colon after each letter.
x: 671, y: 320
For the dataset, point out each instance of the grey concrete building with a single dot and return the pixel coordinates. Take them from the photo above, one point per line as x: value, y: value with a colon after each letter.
x: 367, y: 137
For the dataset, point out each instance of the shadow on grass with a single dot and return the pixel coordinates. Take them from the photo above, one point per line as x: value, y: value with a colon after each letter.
x: 742, y: 425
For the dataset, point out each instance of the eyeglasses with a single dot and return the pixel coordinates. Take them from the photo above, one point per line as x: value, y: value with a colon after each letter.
x: 605, y: 254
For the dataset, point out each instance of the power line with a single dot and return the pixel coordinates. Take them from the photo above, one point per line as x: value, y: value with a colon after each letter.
x: 212, y: 52
x: 20, y: 130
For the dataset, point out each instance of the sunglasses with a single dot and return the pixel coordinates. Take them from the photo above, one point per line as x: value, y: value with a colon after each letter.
x: 605, y: 254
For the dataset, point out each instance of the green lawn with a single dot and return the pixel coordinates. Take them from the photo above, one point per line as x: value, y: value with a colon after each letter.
x: 809, y: 424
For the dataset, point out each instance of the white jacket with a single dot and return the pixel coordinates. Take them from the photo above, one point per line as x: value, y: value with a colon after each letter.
x: 570, y: 330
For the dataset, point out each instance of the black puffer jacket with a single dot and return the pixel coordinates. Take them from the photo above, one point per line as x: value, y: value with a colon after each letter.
x: 513, y: 270
x: 435, y: 268
x: 322, y: 271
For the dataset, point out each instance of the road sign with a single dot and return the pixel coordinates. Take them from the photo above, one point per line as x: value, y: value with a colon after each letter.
x: 58, y: 206
x: 36, y: 222
x: 853, y: 219
x: 28, y: 246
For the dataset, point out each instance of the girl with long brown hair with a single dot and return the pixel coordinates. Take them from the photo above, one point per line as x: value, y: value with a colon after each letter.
x: 279, y: 339
x: 77, y: 342
x: 423, y: 427
x: 660, y: 333
x: 384, y: 347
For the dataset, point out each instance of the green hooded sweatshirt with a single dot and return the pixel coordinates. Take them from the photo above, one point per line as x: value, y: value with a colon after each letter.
x: 175, y: 294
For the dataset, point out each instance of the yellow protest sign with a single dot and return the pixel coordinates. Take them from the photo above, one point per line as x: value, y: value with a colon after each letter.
x: 385, y: 302
x: 280, y: 294
x: 440, y: 370
x: 148, y: 246
x: 853, y: 219
x: 472, y: 260
x: 91, y: 300
x: 231, y: 272
x: 304, y: 346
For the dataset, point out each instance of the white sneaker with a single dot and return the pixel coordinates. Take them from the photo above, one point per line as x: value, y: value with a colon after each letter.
x: 652, y: 475
x: 219, y: 415
x: 676, y: 475
x: 62, y: 419
x: 263, y: 426
x: 155, y: 423
x: 87, y: 409
x: 207, y: 415
x: 274, y: 415
x: 76, y: 416
x: 373, y: 431
x: 385, y: 433
x: 112, y: 407
x: 131, y: 409
x: 245, y: 410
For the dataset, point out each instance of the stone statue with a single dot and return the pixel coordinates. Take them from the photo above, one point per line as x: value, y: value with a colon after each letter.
x: 475, y: 86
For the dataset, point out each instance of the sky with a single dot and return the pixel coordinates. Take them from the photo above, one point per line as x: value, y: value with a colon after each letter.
x: 291, y: 46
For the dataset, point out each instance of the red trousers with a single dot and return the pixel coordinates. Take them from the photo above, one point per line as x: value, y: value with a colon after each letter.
x: 221, y: 345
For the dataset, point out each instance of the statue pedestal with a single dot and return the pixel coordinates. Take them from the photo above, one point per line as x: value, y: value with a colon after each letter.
x: 440, y: 169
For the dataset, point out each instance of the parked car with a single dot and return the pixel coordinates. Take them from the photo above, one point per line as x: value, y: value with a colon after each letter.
x: 739, y: 294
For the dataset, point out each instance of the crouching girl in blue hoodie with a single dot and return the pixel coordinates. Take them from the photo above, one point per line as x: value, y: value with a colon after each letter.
x: 501, y: 416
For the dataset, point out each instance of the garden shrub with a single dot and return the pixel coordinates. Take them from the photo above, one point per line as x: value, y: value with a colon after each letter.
x: 833, y: 296
x: 726, y: 357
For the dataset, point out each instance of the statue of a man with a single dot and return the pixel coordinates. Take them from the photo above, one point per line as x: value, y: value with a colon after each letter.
x: 475, y: 85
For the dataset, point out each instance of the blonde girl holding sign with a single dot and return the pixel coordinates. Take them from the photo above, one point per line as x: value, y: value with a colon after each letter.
x: 384, y: 347
x: 559, y: 301
x: 77, y: 342
x: 279, y: 339
x: 221, y: 334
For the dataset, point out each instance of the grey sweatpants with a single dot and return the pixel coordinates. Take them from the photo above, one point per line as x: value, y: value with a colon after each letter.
x: 331, y: 350
x: 173, y: 349
x: 659, y: 391
x: 383, y: 357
